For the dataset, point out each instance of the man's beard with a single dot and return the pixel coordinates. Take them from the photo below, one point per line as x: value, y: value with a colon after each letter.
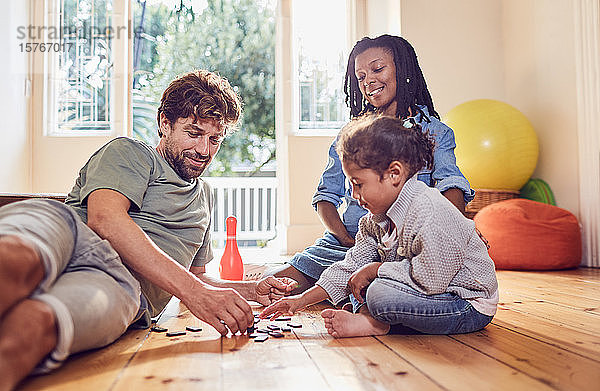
x: 177, y: 162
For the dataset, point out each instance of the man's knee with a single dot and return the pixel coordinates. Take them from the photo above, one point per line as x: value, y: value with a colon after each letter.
x: 43, y: 315
x: 35, y: 327
x: 14, y: 247
x: 20, y: 266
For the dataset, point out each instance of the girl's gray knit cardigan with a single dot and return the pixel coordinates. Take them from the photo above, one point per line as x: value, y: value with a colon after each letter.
x: 438, y: 250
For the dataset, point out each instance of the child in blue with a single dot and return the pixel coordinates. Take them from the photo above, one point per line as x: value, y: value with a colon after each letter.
x: 417, y: 263
x: 382, y: 76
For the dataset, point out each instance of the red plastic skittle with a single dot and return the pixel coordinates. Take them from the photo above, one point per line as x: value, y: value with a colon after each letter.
x: 231, y: 266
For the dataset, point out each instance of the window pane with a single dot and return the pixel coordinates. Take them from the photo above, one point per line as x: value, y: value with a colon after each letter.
x: 150, y: 21
x: 320, y: 34
x: 82, y: 83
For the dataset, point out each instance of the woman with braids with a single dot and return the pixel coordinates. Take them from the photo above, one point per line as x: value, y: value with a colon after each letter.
x: 382, y: 76
x: 418, y: 264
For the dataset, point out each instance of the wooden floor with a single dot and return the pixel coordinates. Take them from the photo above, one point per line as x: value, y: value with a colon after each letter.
x: 546, y: 335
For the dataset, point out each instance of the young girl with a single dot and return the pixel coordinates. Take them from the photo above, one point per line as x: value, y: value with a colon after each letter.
x: 382, y: 76
x: 417, y: 261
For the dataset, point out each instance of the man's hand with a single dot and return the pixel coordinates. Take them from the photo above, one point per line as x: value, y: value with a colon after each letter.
x: 220, y: 307
x: 271, y: 289
x: 285, y: 306
x: 362, y: 278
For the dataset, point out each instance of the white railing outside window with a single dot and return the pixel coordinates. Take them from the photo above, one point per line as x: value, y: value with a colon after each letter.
x: 252, y: 200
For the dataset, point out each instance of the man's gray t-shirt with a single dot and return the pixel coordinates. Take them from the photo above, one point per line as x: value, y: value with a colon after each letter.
x: 173, y: 212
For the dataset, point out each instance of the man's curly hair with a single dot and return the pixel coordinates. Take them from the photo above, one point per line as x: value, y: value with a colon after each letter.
x: 203, y: 95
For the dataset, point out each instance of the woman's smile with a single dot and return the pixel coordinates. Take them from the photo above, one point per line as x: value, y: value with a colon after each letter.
x: 376, y: 74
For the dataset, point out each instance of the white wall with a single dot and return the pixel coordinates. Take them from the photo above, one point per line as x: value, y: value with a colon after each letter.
x: 459, y: 47
x: 307, y: 159
x: 539, y: 59
x: 302, y: 158
x: 382, y: 17
x: 517, y: 51
x: 15, y: 144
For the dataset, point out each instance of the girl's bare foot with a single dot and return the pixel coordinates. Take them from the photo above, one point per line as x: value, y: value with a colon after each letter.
x: 340, y: 323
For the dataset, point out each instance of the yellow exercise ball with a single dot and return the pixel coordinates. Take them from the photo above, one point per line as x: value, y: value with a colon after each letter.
x: 496, y: 146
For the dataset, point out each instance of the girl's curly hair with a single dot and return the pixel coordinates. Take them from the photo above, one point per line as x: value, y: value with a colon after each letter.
x: 375, y: 141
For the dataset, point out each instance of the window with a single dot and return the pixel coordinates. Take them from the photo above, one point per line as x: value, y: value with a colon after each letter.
x: 85, y: 73
x: 320, y: 37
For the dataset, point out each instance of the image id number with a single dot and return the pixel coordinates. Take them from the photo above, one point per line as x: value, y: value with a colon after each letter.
x: 44, y: 47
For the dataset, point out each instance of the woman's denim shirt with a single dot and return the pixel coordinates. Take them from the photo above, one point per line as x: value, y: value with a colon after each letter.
x: 333, y: 186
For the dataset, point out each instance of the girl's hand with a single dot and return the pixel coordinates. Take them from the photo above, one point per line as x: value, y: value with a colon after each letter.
x: 284, y: 306
x: 362, y: 278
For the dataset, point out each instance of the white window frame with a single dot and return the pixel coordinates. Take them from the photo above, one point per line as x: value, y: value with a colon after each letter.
x: 119, y: 92
x: 345, y: 52
x: 287, y: 62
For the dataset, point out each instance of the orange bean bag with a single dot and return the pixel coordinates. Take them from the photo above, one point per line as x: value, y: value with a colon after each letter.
x: 530, y: 235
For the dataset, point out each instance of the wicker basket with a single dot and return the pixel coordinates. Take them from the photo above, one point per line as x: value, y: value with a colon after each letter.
x: 485, y: 197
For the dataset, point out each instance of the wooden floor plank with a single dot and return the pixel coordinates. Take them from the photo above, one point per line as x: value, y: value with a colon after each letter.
x: 557, y: 281
x: 583, y: 272
x: 278, y: 363
x: 270, y: 365
x: 357, y: 363
x: 541, y: 292
x: 94, y: 370
x: 587, y: 321
x: 590, y: 276
x: 176, y: 363
x: 551, y: 365
x: 205, y: 360
x: 457, y: 366
x: 569, y: 325
x: 554, y: 333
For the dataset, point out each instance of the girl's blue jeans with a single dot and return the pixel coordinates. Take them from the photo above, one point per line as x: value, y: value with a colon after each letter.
x: 399, y: 305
